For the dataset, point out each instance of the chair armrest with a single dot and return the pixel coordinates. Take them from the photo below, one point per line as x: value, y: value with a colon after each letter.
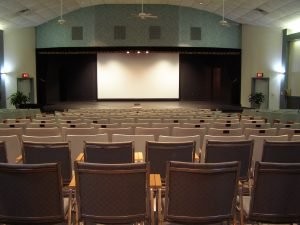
x: 197, y: 157
x: 80, y: 157
x: 138, y: 157
x: 19, y: 159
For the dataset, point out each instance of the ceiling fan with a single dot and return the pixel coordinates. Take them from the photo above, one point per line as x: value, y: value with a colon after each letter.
x: 224, y: 22
x: 61, y: 20
x: 143, y: 15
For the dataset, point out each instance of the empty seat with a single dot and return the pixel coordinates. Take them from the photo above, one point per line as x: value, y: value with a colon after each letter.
x: 158, y: 153
x: 259, y: 142
x: 32, y: 194
x: 281, y: 151
x: 224, y: 132
x: 113, y: 193
x: 224, y: 151
x: 47, y: 131
x: 275, y: 195
x: 201, y: 193
x: 260, y: 132
x: 153, y: 131
x: 59, y: 152
x: 104, y: 152
x: 139, y: 141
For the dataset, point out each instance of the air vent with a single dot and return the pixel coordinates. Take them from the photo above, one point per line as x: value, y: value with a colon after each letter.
x: 195, y: 33
x: 154, y: 32
x: 119, y: 32
x: 264, y: 12
x: 77, y: 33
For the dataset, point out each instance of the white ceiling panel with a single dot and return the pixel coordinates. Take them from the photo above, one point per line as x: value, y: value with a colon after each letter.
x: 20, y: 13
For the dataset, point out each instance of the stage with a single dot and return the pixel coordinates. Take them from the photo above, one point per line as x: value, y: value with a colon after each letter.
x: 64, y: 106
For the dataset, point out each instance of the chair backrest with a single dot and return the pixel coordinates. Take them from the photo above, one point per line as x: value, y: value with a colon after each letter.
x: 295, y: 138
x: 74, y: 125
x: 194, y: 138
x: 169, y: 125
x: 289, y: 131
x: 196, y: 125
x: 227, y: 120
x: 76, y: 143
x: 42, y: 139
x: 13, y: 147
x: 44, y: 131
x: 287, y: 125
x: 224, y: 132
x: 12, y: 131
x: 36, y: 153
x: 154, y: 131
x: 78, y: 131
x: 148, y: 120
x: 158, y: 153
x: 134, y: 125
x: 139, y: 141
x: 105, y: 125
x: 182, y: 131
x: 281, y: 151
x: 122, y: 120
x: 41, y: 125
x: 112, y: 153
x: 117, y: 130
x: 13, y: 125
x: 256, y: 125
x: 260, y: 132
x: 226, y: 125
x: 241, y: 151
x: 259, y: 143
x: 31, y: 194
x: 201, y: 120
x: 104, y: 192
x: 195, y: 193
x: 3, y: 156
x: 218, y: 138
x: 275, y: 194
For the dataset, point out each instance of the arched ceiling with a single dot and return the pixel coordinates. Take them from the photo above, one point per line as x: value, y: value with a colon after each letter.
x: 269, y: 13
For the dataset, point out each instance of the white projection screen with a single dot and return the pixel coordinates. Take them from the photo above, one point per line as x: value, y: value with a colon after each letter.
x: 138, y: 76
x: 294, y: 68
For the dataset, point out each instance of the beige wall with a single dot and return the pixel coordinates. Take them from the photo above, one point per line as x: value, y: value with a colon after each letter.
x: 261, y: 52
x: 19, y: 57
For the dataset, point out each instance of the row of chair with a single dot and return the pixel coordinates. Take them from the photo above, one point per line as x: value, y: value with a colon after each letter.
x: 120, y: 193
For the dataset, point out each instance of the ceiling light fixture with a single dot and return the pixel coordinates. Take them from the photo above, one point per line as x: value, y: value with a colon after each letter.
x: 61, y: 20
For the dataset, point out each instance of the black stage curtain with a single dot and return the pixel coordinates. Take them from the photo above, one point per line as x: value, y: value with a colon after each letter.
x: 211, y: 77
x: 66, y: 77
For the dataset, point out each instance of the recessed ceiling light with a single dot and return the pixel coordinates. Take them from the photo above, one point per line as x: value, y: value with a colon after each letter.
x: 138, y: 52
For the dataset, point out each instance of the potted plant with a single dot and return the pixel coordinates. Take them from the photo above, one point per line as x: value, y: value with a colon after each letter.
x: 256, y: 99
x: 18, y: 98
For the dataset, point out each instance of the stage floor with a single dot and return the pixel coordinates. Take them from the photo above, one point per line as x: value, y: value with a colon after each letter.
x: 64, y: 106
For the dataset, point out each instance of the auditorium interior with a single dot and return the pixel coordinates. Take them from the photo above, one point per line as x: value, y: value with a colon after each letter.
x: 147, y: 79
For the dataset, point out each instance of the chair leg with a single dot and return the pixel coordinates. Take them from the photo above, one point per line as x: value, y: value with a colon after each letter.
x: 241, y: 206
x: 151, y: 207
x: 159, y: 207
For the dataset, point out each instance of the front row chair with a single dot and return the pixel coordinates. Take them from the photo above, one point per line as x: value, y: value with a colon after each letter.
x: 201, y: 193
x: 275, y: 196
x: 32, y: 194
x: 112, y: 193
